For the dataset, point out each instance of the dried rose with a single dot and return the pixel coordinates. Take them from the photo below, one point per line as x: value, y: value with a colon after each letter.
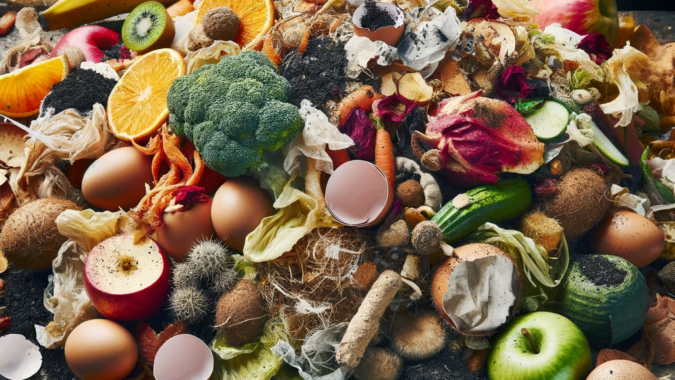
x: 393, y: 108
x: 360, y: 128
x: 480, y: 8
x: 596, y: 46
x: 512, y: 84
x: 189, y: 195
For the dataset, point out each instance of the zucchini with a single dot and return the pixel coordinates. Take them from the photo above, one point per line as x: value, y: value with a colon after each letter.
x: 489, y: 203
x: 606, y: 147
x: 658, y: 192
x: 549, y: 122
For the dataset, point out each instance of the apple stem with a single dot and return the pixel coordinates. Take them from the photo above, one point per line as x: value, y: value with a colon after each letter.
x: 529, y: 338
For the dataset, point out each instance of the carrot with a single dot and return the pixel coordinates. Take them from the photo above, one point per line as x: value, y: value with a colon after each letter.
x: 270, y: 51
x: 363, y: 97
x: 384, y: 157
x: 339, y: 157
x: 305, y: 41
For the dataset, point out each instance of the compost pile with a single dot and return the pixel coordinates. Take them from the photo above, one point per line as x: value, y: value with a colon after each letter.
x: 338, y: 189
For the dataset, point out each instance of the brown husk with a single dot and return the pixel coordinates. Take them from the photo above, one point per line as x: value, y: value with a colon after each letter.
x: 581, y: 201
x: 241, y: 314
x: 315, y: 285
x: 543, y: 230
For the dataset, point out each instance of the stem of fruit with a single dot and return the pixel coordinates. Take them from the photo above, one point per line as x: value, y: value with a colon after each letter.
x: 529, y: 338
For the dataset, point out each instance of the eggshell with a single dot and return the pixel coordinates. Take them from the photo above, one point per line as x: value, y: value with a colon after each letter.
x: 620, y: 370
x: 117, y: 179
x: 238, y: 207
x: 358, y: 194
x: 19, y: 357
x: 628, y: 235
x: 182, y: 229
x: 183, y: 357
x: 100, y: 349
x: 390, y: 35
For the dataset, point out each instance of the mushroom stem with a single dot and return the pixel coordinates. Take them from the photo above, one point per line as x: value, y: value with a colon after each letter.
x: 529, y: 338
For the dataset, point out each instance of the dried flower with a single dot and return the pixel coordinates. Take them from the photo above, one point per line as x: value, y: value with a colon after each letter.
x: 596, y: 46
x: 189, y: 195
x: 481, y: 8
x: 360, y: 128
x: 393, y: 108
x: 512, y: 84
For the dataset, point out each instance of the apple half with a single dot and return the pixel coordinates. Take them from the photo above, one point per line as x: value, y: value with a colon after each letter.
x: 127, y: 281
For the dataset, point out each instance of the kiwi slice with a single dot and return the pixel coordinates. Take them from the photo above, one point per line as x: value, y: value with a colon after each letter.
x: 148, y: 27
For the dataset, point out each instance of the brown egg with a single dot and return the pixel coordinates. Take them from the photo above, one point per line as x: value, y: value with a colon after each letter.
x: 238, y: 207
x: 182, y: 229
x: 628, y: 235
x: 117, y: 179
x: 100, y: 349
x: 620, y: 370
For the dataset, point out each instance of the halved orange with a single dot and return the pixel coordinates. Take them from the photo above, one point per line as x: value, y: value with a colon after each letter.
x: 137, y: 104
x: 22, y: 91
x: 256, y: 18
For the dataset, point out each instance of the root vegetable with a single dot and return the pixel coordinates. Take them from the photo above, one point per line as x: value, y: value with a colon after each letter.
x: 362, y: 98
x: 366, y: 322
x: 384, y: 157
x: 30, y: 238
x: 198, y: 39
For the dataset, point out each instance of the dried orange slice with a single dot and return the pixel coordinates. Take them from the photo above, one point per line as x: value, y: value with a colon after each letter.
x: 256, y: 18
x: 137, y: 104
x: 22, y: 91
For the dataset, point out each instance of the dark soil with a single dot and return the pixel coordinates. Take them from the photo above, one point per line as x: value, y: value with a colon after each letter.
x: 23, y: 299
x: 80, y: 90
x: 114, y: 52
x: 445, y: 366
x: 318, y: 74
x: 375, y: 17
x: 601, y: 272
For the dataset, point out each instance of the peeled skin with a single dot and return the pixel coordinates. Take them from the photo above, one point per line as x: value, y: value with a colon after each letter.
x: 478, y: 138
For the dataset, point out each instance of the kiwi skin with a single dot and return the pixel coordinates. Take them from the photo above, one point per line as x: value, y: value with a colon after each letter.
x: 163, y: 41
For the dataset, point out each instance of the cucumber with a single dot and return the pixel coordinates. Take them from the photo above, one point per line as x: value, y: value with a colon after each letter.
x: 489, y: 203
x: 549, y: 122
x: 606, y: 147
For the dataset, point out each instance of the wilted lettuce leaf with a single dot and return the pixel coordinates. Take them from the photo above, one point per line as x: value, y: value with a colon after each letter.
x: 254, y: 361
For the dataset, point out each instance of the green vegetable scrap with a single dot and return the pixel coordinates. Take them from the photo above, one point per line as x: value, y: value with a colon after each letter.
x: 234, y: 112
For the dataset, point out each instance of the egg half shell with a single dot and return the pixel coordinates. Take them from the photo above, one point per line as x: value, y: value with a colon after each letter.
x: 629, y: 235
x: 238, y: 207
x: 182, y: 229
x: 620, y: 370
x: 117, y: 179
x: 100, y: 349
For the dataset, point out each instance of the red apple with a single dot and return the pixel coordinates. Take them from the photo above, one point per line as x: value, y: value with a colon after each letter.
x: 580, y: 16
x: 91, y: 39
x: 127, y: 281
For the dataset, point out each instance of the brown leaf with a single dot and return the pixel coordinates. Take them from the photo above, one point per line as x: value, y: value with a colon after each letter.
x: 608, y: 354
x: 11, y: 145
x: 660, y: 328
x: 149, y: 342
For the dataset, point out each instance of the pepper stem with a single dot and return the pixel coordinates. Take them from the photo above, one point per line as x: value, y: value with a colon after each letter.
x: 529, y: 338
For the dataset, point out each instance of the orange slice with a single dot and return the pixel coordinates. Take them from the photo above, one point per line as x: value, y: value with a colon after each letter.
x: 22, y: 91
x: 137, y: 104
x: 256, y: 18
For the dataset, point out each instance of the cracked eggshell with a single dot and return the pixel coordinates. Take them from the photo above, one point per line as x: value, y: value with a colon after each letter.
x: 19, y: 357
x: 390, y: 35
x: 183, y: 357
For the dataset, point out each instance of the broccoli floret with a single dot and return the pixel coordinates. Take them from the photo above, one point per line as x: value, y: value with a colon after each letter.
x: 234, y: 111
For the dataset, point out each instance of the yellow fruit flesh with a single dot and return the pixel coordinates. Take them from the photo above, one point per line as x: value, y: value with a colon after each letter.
x: 256, y: 17
x: 137, y: 104
x: 22, y: 91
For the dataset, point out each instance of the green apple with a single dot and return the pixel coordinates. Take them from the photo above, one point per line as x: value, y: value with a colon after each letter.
x: 539, y: 346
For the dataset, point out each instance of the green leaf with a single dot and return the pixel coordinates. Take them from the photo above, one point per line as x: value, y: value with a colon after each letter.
x: 528, y: 106
x: 258, y: 364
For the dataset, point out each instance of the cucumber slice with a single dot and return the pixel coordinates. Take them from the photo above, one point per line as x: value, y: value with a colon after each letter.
x: 606, y: 147
x: 549, y: 122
